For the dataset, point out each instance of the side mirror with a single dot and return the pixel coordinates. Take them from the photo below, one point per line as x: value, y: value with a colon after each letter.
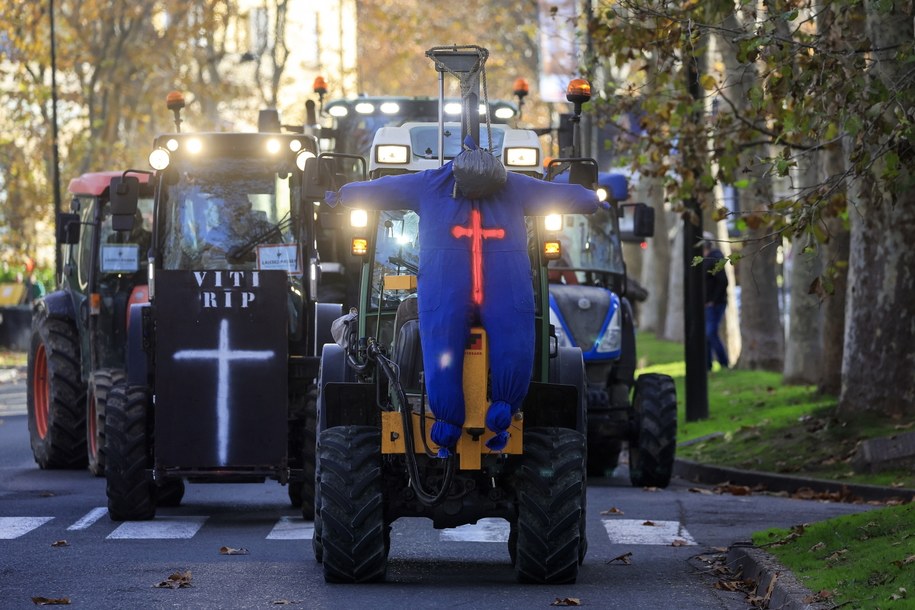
x: 315, y: 182
x: 67, y: 228
x: 124, y: 194
x: 583, y: 173
x: 643, y: 220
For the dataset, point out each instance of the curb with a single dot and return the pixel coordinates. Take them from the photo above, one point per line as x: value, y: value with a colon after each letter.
x: 712, y: 475
x: 776, y: 585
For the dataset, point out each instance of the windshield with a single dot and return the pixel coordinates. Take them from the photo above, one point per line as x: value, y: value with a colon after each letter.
x: 396, y: 248
x: 424, y: 141
x: 592, y: 242
x: 229, y: 214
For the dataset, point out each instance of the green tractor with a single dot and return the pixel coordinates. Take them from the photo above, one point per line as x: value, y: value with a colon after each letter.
x: 376, y: 461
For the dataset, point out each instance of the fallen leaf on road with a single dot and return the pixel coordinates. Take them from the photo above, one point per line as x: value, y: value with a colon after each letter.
x: 649, y: 523
x: 651, y: 489
x: 736, y: 585
x: 679, y: 542
x: 178, y: 580
x: 283, y: 602
x: 47, y: 494
x: 47, y: 601
x: 612, y: 511
x: 60, y: 543
x: 227, y: 550
x: 701, y: 490
x: 625, y: 559
x: 734, y: 490
x: 566, y: 601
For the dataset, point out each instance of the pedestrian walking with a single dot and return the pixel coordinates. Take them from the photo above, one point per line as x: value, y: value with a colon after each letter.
x: 716, y: 300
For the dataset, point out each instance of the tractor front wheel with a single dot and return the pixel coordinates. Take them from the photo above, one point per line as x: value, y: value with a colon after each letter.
x: 548, y: 537
x: 131, y: 492
x: 304, y: 426
x: 653, y: 445
x: 353, y: 529
x: 100, y: 383
x: 55, y: 394
x: 170, y: 492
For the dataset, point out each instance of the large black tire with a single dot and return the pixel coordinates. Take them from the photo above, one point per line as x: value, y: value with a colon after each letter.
x: 131, y: 491
x: 316, y: 543
x: 654, y: 443
x: 304, y: 432
x: 100, y: 383
x: 352, y: 505
x: 549, y: 533
x: 56, y: 394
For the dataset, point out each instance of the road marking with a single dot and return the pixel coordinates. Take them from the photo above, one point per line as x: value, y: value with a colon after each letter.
x: 13, y: 527
x: 89, y: 518
x: 490, y: 529
x: 160, y: 529
x: 637, y: 531
x: 292, y: 528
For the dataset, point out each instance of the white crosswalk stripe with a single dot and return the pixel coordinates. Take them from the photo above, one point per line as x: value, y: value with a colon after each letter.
x: 490, y: 529
x: 14, y: 527
x: 642, y: 531
x: 161, y: 528
x: 619, y: 531
x: 88, y: 519
x: 292, y: 528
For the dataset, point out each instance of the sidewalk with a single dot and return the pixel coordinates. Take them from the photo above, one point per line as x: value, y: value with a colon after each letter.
x: 12, y: 391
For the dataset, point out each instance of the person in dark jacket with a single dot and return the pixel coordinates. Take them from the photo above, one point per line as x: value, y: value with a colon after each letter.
x: 716, y: 300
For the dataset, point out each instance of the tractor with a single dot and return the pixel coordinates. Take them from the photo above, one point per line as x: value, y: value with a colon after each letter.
x: 590, y: 307
x: 76, y: 351
x: 221, y: 360
x: 376, y: 461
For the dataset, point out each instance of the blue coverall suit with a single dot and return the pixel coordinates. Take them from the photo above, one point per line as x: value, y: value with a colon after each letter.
x: 445, y: 283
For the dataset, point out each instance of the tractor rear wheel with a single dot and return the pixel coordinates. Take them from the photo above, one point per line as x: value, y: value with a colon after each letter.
x: 100, y: 383
x: 55, y: 394
x: 549, y: 533
x: 352, y: 504
x: 131, y: 492
x: 653, y: 446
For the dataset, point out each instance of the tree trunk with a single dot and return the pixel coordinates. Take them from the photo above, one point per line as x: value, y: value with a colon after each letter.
x: 835, y: 260
x: 674, y: 329
x: 803, y: 345
x: 878, y: 368
x: 656, y: 269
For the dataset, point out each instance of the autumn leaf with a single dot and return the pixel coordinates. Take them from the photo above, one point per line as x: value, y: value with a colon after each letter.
x: 60, y: 543
x: 283, y: 602
x: 651, y: 489
x: 707, y: 81
x: 227, y: 550
x: 679, y: 542
x: 178, y: 580
x: 566, y: 601
x: 817, y: 547
x: 904, y: 562
x: 625, y: 558
x: 649, y: 523
x: 612, y: 511
x: 701, y: 490
x: 47, y: 601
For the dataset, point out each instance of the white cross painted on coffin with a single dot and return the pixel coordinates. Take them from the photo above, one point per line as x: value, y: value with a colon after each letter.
x: 223, y: 355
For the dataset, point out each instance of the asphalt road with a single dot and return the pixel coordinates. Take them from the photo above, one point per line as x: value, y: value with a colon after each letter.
x: 104, y: 564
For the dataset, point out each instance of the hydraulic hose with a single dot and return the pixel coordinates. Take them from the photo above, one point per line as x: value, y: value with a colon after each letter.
x: 425, y: 497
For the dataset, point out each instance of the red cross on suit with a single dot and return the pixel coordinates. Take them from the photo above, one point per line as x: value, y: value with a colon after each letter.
x: 477, y: 234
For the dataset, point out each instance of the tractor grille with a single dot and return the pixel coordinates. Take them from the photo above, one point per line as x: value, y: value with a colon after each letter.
x: 584, y: 309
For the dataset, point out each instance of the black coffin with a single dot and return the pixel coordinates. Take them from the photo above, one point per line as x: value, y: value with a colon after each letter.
x: 220, y: 369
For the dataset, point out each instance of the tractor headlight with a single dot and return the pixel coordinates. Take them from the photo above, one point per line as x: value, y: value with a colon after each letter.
x: 338, y: 111
x: 504, y: 112
x: 601, y: 193
x: 358, y: 219
x: 159, y: 159
x: 515, y: 157
x: 392, y: 153
x: 552, y: 222
x: 452, y: 108
x: 273, y: 146
x: 194, y: 146
x: 612, y: 338
x: 172, y: 144
x: 302, y: 157
x: 295, y: 145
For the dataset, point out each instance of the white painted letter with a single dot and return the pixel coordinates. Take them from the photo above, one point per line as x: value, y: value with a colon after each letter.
x: 209, y: 299
x: 236, y: 277
x: 228, y: 294
x: 199, y: 275
x: 219, y: 279
x: 255, y: 279
x: 246, y: 297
